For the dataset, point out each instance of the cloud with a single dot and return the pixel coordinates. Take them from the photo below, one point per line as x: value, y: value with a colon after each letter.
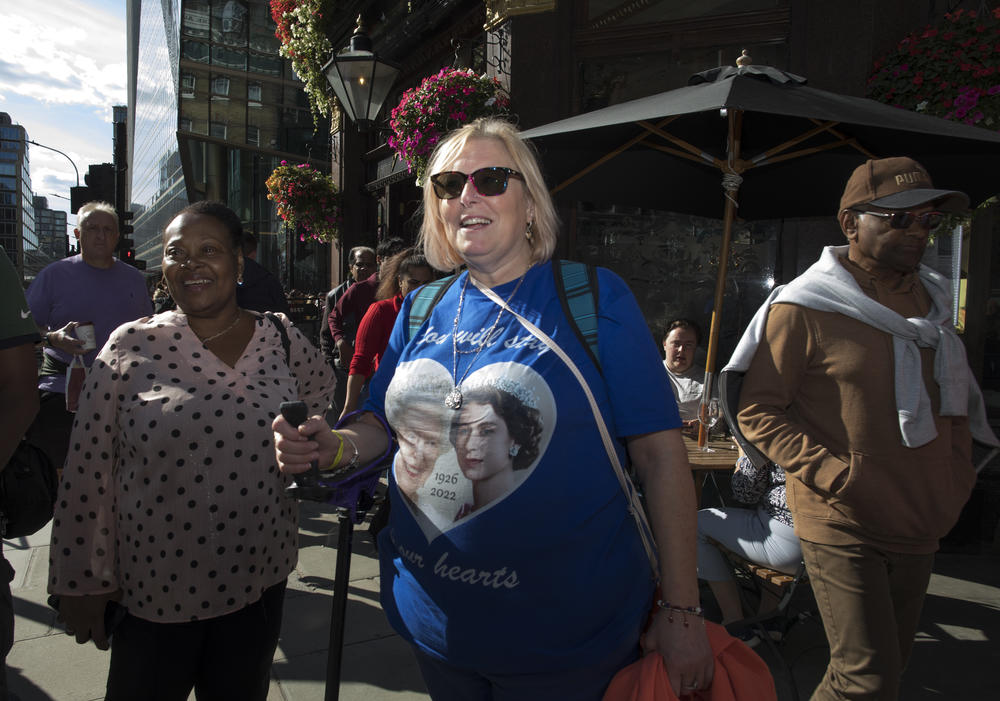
x: 62, y: 68
x: 63, y: 52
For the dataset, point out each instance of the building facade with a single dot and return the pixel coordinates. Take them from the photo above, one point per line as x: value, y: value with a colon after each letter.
x: 17, y: 213
x: 213, y: 109
x: 50, y: 225
x: 560, y: 59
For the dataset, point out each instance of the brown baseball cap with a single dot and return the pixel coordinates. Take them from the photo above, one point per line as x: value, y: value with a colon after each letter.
x: 897, y: 183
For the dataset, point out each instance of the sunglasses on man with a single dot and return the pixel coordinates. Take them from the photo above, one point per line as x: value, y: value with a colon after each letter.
x: 489, y: 182
x: 903, y: 220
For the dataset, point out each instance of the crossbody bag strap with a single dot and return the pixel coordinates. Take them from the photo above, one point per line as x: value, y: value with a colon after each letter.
x: 631, y: 497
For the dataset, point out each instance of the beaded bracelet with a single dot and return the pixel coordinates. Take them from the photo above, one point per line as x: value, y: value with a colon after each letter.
x: 683, y: 610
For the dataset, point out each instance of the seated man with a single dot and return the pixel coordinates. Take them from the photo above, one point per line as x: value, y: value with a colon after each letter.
x: 683, y: 337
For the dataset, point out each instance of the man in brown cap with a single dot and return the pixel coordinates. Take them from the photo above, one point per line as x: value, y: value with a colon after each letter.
x: 842, y: 391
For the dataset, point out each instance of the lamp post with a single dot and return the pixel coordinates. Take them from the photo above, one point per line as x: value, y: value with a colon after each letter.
x: 75, y: 169
x: 360, y: 79
x: 362, y: 82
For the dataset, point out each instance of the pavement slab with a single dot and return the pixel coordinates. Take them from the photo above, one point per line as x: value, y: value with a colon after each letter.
x: 956, y: 651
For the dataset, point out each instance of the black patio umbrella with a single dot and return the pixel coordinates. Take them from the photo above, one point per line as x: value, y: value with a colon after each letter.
x: 754, y: 142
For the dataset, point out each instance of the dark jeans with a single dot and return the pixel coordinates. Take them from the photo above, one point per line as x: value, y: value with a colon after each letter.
x: 52, y: 427
x: 223, y: 659
x: 340, y: 391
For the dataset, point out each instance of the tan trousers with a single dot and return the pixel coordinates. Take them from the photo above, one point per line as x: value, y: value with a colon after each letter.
x: 870, y: 602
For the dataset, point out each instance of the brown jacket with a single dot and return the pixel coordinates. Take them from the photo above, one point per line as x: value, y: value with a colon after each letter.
x: 818, y: 399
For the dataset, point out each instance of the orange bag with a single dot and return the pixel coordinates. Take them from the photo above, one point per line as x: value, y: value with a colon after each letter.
x: 740, y: 675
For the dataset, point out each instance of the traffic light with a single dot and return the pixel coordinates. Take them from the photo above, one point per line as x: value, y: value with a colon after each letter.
x: 126, y: 251
x: 79, y: 196
x: 123, y: 222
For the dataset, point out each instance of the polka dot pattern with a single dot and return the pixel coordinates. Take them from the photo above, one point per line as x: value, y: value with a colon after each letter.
x: 171, y: 491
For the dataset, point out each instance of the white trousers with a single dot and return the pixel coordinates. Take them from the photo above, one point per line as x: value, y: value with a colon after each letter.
x: 750, y: 533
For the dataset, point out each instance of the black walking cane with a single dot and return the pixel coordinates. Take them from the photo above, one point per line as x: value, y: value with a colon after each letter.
x: 307, y: 486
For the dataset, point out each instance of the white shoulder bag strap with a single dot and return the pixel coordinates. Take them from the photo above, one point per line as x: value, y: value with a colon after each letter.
x: 631, y: 497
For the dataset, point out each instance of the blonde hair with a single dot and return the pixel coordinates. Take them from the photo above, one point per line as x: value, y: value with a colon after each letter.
x: 438, y: 247
x: 96, y: 206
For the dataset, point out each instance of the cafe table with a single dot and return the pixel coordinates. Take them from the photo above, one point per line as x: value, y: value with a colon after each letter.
x: 703, y: 463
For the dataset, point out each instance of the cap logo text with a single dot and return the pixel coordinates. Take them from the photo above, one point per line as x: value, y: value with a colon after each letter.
x: 910, y: 178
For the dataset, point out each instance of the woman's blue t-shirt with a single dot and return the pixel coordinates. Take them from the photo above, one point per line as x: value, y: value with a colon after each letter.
x: 509, y: 548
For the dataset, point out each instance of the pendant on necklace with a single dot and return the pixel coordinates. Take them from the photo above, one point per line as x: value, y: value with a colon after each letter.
x: 453, y: 400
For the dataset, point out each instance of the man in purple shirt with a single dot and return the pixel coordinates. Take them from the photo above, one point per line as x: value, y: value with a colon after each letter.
x: 89, y: 287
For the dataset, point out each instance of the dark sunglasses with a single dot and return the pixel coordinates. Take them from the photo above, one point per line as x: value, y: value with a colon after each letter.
x: 903, y: 220
x: 488, y: 182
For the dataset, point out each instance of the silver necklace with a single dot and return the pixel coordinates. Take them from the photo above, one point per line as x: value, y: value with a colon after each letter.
x: 206, y: 341
x: 453, y: 400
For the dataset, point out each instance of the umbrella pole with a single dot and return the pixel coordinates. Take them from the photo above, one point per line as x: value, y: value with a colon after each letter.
x: 731, y: 188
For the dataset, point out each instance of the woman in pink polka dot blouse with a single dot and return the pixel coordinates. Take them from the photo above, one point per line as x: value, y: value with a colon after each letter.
x: 171, y: 502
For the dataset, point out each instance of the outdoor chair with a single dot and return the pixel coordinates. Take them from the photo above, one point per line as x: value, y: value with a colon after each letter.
x: 758, y: 582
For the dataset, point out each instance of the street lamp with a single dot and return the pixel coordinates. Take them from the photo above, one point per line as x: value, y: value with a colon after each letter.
x: 360, y: 79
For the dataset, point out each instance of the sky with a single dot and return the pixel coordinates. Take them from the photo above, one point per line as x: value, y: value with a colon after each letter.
x: 62, y: 68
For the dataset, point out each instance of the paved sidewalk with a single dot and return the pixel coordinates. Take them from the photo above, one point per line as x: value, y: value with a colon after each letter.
x: 956, y: 655
x: 47, y: 665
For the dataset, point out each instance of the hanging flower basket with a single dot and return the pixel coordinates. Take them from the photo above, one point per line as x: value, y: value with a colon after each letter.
x: 441, y: 103
x: 950, y: 69
x: 307, y: 199
x: 302, y: 30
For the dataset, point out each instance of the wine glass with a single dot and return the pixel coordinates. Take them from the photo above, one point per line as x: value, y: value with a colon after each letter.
x: 709, y: 412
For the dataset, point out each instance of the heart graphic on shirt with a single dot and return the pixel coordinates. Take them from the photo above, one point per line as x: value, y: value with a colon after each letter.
x: 455, y: 465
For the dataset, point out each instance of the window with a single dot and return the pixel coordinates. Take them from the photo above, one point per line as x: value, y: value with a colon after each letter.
x: 185, y: 124
x: 220, y: 86
x: 268, y: 65
x: 253, y: 136
x: 188, y: 82
x: 221, y: 56
x: 196, y: 18
x: 254, y: 93
x: 195, y: 51
x: 233, y: 17
x: 217, y: 130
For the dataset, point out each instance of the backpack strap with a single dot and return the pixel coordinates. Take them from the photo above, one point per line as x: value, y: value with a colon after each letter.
x: 283, y: 332
x: 425, y: 299
x: 576, y: 285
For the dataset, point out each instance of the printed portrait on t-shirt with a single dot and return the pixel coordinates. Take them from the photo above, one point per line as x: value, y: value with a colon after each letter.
x: 456, y: 463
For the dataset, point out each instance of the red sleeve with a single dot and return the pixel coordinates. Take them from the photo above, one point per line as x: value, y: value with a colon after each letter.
x: 373, y: 336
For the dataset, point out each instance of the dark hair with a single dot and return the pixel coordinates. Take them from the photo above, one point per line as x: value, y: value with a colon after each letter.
x: 393, y: 269
x: 249, y: 243
x: 524, y: 423
x: 227, y: 217
x: 389, y: 247
x: 684, y: 324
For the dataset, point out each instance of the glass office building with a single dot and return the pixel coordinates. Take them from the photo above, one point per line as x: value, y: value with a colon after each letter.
x: 50, y: 225
x: 17, y: 213
x: 215, y: 109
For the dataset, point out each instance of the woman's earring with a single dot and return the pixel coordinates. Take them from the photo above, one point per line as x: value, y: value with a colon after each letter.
x: 514, y: 450
x: 530, y: 231
x: 239, y: 279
